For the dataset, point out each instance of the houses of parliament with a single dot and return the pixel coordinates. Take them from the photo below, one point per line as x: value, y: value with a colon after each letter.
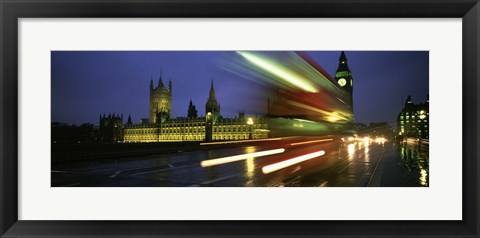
x: 162, y: 127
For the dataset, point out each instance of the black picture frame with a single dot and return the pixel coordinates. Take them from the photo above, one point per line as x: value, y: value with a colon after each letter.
x: 11, y: 11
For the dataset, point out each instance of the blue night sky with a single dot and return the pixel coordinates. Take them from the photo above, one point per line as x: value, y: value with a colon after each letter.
x: 86, y: 84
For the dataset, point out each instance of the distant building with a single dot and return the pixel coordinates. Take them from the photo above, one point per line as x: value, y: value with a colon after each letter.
x: 111, y: 128
x: 192, y: 111
x: 160, y: 101
x: 211, y: 127
x: 379, y: 129
x: 412, y: 121
x: 359, y: 126
x: 71, y: 134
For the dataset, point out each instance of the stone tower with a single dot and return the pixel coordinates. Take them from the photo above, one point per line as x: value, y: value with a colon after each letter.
x: 212, y: 113
x: 160, y: 101
x: 111, y: 128
x: 344, y: 78
x: 212, y: 105
x: 192, y: 111
x: 344, y: 75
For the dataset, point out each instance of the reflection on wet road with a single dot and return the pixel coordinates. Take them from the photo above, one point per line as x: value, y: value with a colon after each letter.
x: 415, y: 162
x: 297, y: 161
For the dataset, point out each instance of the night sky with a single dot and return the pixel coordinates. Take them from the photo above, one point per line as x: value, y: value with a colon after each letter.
x: 86, y: 84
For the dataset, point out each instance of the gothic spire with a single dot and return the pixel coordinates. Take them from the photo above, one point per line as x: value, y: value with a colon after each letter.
x: 342, y: 63
x: 160, y: 81
x: 343, y: 57
x: 129, y: 121
x: 192, y: 111
x: 212, y: 90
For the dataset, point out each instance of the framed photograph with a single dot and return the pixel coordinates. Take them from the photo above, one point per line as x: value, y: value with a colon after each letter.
x: 226, y: 118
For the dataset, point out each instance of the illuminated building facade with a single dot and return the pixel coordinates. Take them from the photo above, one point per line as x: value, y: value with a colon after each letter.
x: 194, y: 129
x: 211, y: 127
x: 160, y: 100
x: 412, y: 121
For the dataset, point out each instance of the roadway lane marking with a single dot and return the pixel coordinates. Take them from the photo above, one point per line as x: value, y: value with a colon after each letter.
x: 229, y: 159
x: 161, y: 170
x: 219, y: 179
x: 286, y: 163
x: 375, y: 169
x: 344, y: 168
x: 311, y: 142
x: 115, y: 174
x: 148, y: 167
x: 324, y: 184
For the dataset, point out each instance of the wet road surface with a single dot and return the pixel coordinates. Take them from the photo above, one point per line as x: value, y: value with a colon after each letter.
x: 303, y: 161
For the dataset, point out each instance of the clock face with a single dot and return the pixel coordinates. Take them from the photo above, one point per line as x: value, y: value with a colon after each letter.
x: 342, y: 82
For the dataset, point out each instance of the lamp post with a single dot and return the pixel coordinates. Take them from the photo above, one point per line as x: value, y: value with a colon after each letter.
x: 250, y: 123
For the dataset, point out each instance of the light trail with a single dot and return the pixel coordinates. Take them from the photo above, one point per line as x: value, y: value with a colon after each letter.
x: 314, y: 109
x: 238, y: 141
x: 281, y: 165
x: 280, y: 72
x: 229, y: 159
x: 310, y: 142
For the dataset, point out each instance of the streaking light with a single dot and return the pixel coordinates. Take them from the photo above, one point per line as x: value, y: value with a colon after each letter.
x: 229, y: 159
x: 351, y: 149
x: 297, y: 125
x: 239, y: 141
x: 303, y: 120
x: 279, y: 72
x: 281, y: 165
x: 310, y: 142
x: 308, y: 107
x: 333, y: 118
x: 380, y: 140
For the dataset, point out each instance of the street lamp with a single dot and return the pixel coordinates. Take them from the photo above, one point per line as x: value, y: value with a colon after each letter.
x: 250, y: 123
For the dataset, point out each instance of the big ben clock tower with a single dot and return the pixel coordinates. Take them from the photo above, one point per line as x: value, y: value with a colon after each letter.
x: 343, y: 74
x: 344, y: 78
